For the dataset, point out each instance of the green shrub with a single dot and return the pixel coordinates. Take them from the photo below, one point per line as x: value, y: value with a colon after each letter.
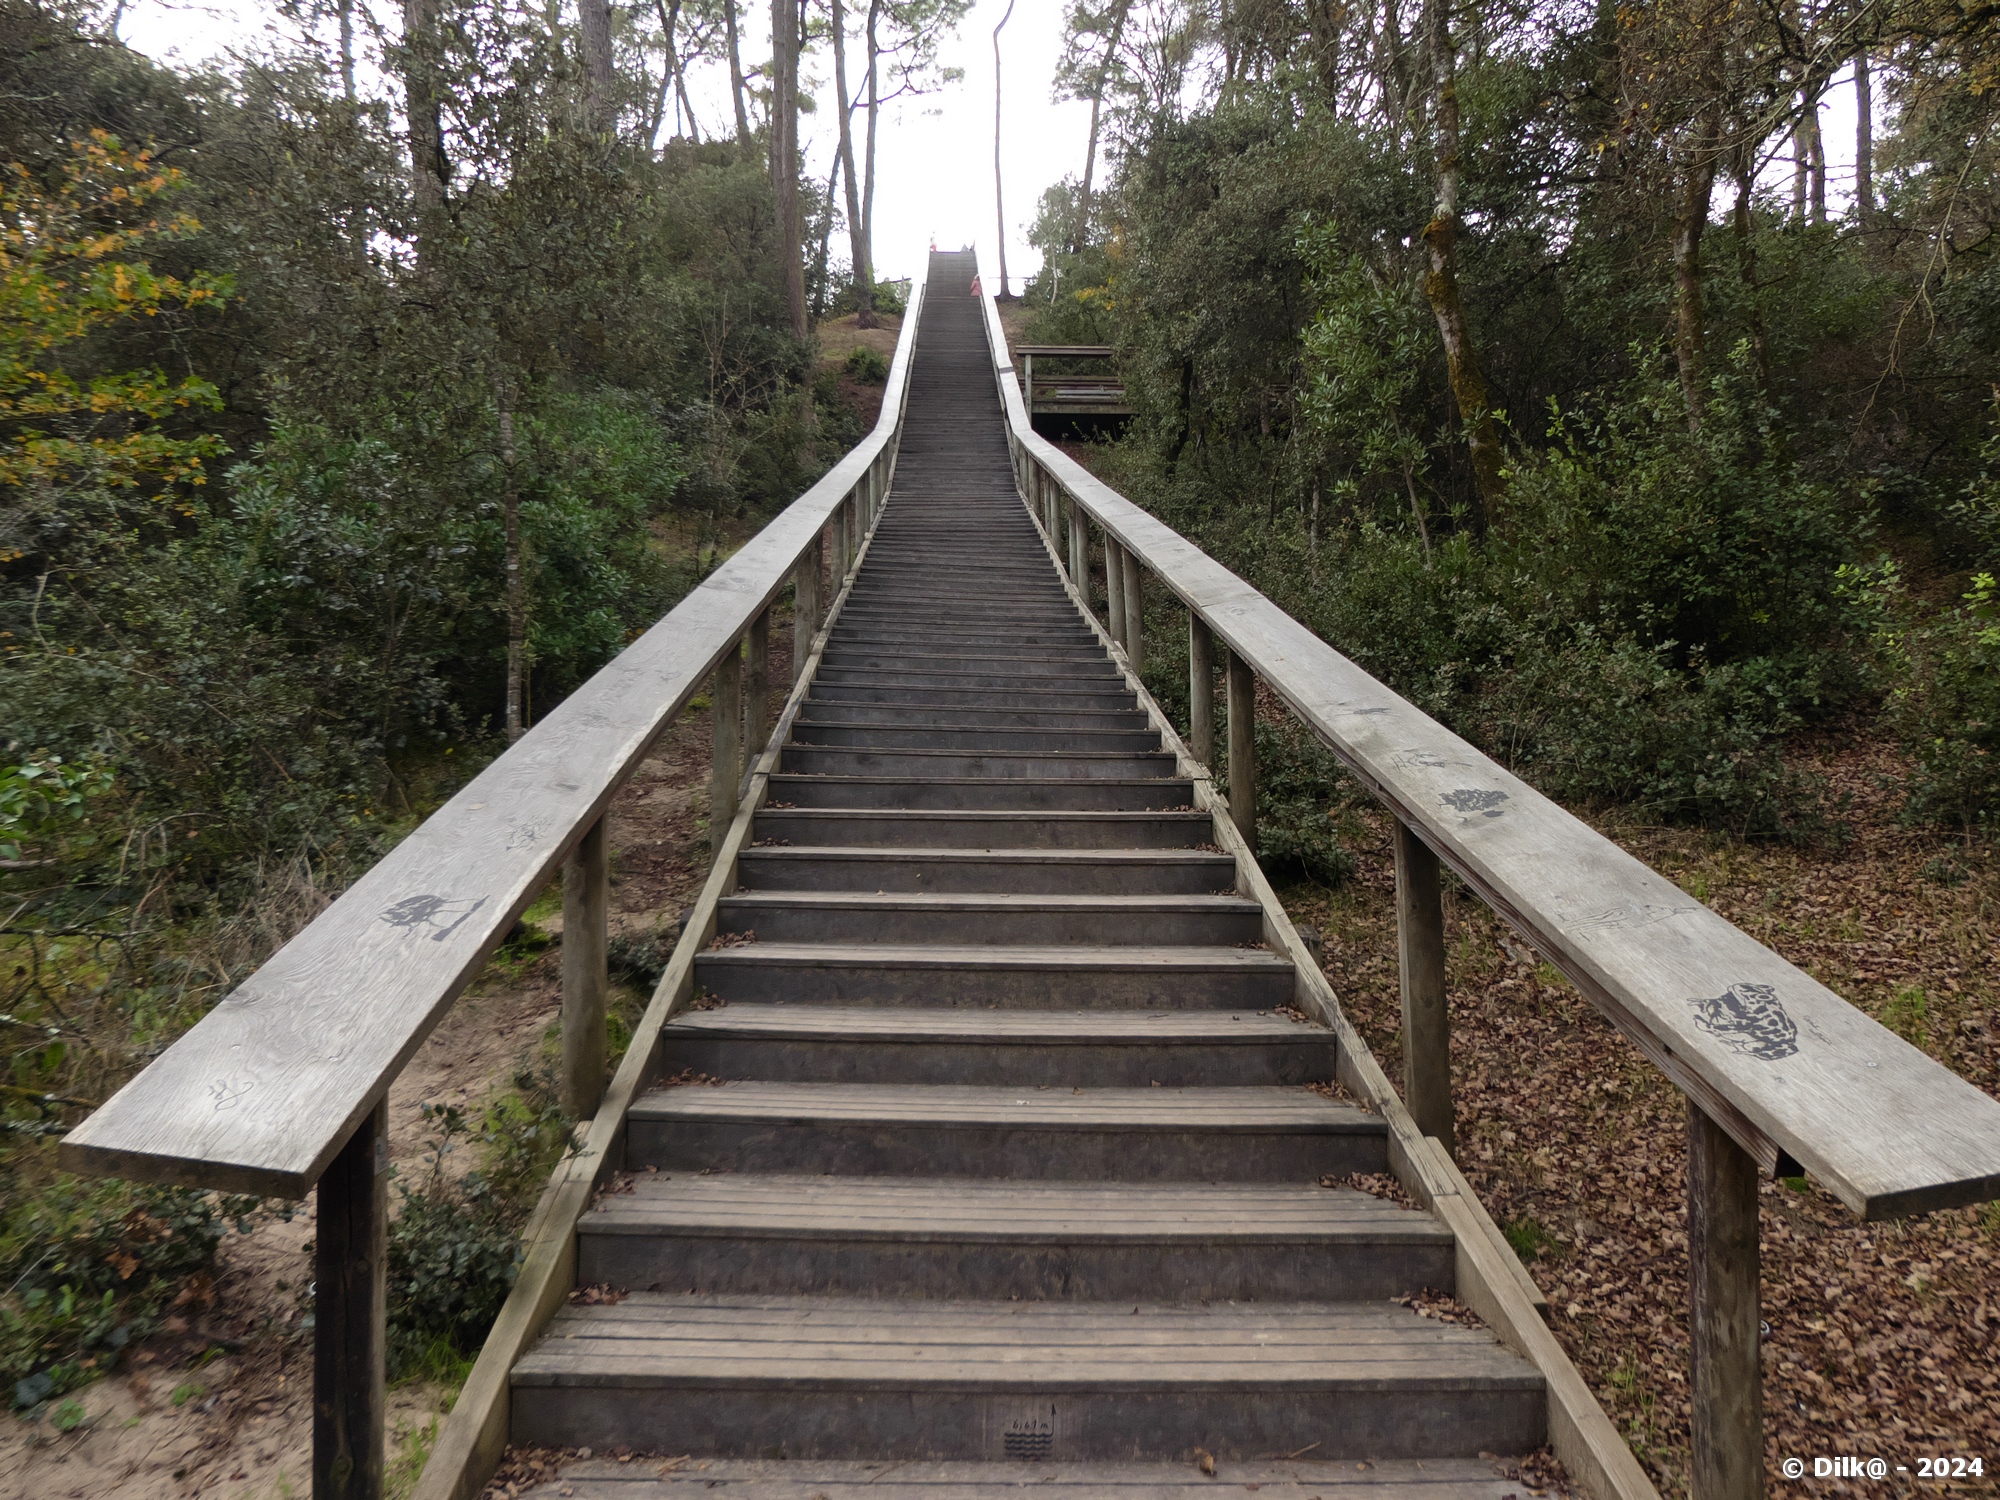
x: 454, y: 1244
x: 90, y: 1265
x: 1301, y: 794
x: 866, y: 366
x: 1946, y: 708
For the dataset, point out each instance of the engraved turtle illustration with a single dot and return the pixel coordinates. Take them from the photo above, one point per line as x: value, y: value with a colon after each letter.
x: 1749, y: 1020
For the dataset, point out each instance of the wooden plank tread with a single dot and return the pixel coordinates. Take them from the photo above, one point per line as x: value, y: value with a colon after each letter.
x: 1189, y: 960
x: 835, y: 1479
x: 945, y: 1105
x: 917, y: 1209
x: 776, y: 1020
x: 804, y: 1343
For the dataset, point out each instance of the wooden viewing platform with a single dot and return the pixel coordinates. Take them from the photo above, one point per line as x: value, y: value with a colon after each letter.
x: 1027, y: 1158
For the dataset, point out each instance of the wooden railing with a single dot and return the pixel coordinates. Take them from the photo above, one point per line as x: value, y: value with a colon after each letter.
x: 1780, y: 1073
x: 282, y: 1086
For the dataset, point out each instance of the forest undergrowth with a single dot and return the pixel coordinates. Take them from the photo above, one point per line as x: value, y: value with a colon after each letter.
x: 1881, y: 1336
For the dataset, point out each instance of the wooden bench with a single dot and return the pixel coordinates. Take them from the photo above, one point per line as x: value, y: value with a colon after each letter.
x: 1069, y: 395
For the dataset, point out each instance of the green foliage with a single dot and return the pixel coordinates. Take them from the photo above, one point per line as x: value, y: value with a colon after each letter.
x: 91, y: 1265
x: 1946, y: 706
x: 1301, y: 794
x: 1529, y: 1239
x: 454, y: 1245
x: 866, y: 366
x: 38, y: 797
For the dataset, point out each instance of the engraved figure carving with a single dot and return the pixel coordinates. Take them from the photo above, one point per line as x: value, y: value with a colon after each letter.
x: 1749, y: 1021
x: 1472, y: 799
x: 441, y: 914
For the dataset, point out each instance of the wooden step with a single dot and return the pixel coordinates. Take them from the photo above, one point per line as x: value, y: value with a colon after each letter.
x: 1034, y: 978
x: 978, y: 765
x: 984, y: 829
x: 996, y: 794
x: 1078, y: 872
x: 822, y: 1043
x: 960, y: 1238
x: 975, y: 917
x: 918, y: 1130
x: 902, y: 1479
x: 830, y: 1377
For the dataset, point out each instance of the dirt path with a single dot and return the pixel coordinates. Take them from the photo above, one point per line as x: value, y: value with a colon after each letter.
x: 1881, y: 1337
x: 217, y: 1404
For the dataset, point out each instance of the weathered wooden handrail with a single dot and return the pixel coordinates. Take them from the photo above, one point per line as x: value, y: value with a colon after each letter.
x: 1779, y: 1071
x: 282, y: 1085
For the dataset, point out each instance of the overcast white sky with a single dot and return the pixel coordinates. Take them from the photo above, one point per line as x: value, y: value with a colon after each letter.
x: 935, y: 172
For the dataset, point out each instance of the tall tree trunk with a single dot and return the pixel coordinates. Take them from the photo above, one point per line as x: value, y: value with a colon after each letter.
x: 599, y: 107
x: 346, y: 50
x: 1864, y: 143
x: 1690, y: 327
x: 1098, y: 86
x: 429, y: 170
x: 785, y: 157
x: 736, y: 73
x: 1744, y: 172
x: 819, y: 288
x: 1815, y: 154
x: 1440, y: 236
x: 874, y: 114
x: 857, y: 237
x: 670, y: 19
x: 517, y: 584
x: 999, y: 198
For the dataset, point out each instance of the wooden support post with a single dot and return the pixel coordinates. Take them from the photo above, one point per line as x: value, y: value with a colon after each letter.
x: 586, y: 909
x: 1201, y: 690
x: 1426, y: 1017
x: 1243, y: 748
x: 726, y: 769
x: 1079, y: 552
x: 1114, y: 587
x: 350, y: 1315
x: 805, y: 604
x: 837, y: 562
x: 757, y: 686
x: 1727, y: 1388
x: 1135, y: 616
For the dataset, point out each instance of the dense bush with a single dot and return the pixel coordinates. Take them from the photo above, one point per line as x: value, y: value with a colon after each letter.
x: 90, y: 1266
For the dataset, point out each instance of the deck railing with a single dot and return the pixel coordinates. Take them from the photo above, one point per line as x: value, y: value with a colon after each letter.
x: 282, y: 1087
x: 1780, y: 1073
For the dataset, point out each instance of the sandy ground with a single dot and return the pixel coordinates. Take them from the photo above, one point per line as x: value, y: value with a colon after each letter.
x: 217, y: 1404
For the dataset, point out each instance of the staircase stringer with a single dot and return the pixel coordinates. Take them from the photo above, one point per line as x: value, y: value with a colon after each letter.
x: 1491, y: 1279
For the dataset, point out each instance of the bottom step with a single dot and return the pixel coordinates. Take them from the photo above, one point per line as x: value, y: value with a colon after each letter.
x: 855, y: 1377
x: 751, y: 1479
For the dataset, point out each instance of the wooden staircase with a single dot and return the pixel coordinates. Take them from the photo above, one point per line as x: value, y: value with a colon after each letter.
x: 1013, y: 1173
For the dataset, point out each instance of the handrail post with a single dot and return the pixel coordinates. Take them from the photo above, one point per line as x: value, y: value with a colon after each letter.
x: 1201, y: 689
x: 1135, y: 616
x: 805, y: 603
x: 1727, y: 1386
x: 586, y: 911
x: 757, y: 684
x: 1243, y: 748
x: 1426, y: 1015
x: 1114, y: 587
x: 1079, y: 552
x: 350, y: 1315
x: 726, y: 767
